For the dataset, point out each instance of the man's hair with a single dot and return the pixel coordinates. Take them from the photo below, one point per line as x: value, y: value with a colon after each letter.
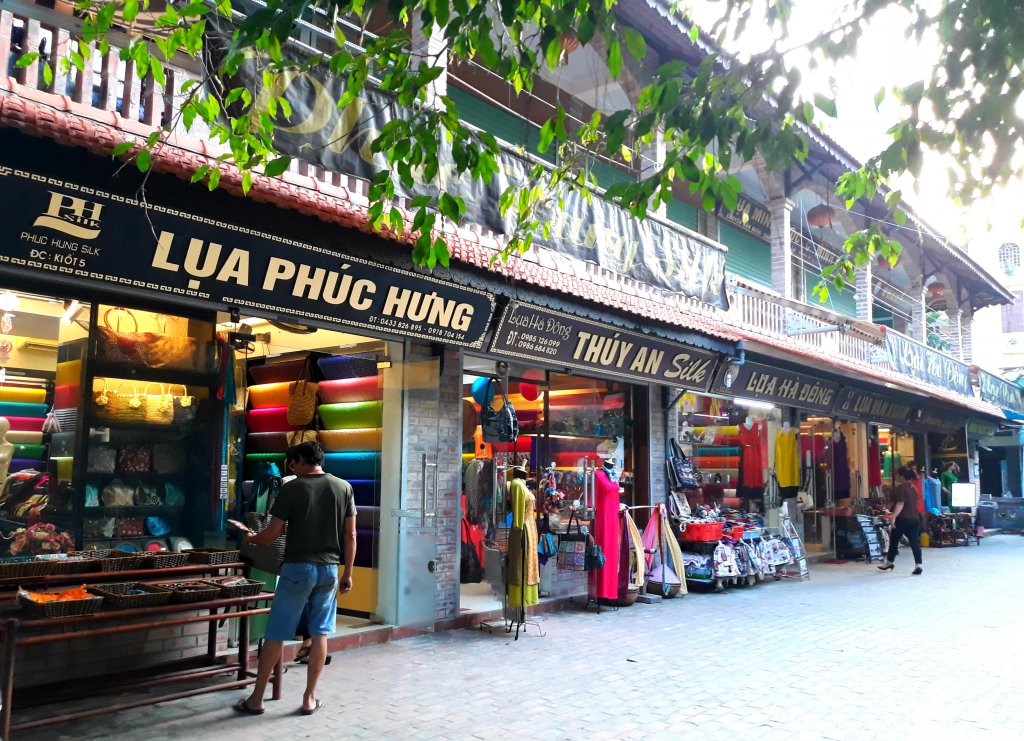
x: 308, y: 452
x: 908, y: 473
x: 949, y: 465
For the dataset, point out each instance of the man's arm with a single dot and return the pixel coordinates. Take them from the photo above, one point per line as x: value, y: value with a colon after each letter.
x: 350, y: 553
x: 269, y: 534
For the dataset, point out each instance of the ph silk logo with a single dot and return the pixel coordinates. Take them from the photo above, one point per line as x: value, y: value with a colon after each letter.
x: 75, y: 217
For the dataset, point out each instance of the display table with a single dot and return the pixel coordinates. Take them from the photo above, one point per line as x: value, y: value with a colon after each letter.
x: 952, y: 530
x: 19, y: 629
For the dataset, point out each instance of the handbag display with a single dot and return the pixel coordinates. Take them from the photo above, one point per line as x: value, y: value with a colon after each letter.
x: 118, y: 494
x: 185, y: 406
x: 159, y: 408
x: 119, y: 406
x: 102, y: 459
x: 168, y: 458
x: 134, y: 458
x: 572, y: 548
x: 116, y: 346
x: 302, y: 403
x: 499, y: 425
x: 172, y: 349
x: 682, y: 469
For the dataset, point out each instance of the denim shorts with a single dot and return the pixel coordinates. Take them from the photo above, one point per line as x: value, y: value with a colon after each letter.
x: 309, y: 587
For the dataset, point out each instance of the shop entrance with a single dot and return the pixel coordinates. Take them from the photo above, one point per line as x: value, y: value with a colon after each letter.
x: 569, y: 426
x: 368, y: 393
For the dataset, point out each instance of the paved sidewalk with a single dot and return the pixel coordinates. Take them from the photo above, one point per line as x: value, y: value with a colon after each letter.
x: 852, y: 654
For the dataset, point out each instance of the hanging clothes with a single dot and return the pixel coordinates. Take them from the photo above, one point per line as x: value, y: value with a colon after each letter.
x: 874, y: 463
x: 787, y: 463
x: 523, y: 562
x: 604, y: 582
x: 752, y: 441
x: 840, y: 468
x: 891, y: 462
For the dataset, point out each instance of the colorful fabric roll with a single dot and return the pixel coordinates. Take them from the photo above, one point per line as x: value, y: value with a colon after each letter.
x: 353, y: 465
x: 32, y: 452
x: 25, y: 436
x: 270, y: 395
x: 366, y: 548
x: 732, y: 430
x: 717, y: 451
x: 253, y: 461
x: 266, y: 442
x: 722, y: 461
x: 360, y: 439
x: 23, y: 464
x: 66, y: 395
x: 69, y: 372
x: 368, y: 388
x: 26, y: 424
x: 366, y: 492
x: 368, y: 517
x: 344, y: 366
x: 22, y: 395
x: 521, y: 445
x: 65, y: 467
x: 284, y: 371
x: 352, y: 415
x: 268, y: 420
x: 20, y: 409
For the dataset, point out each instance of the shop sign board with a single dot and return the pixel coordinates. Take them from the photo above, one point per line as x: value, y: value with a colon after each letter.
x: 550, y: 337
x: 931, y: 420
x: 927, y: 364
x: 750, y: 216
x: 982, y: 428
x: 1000, y: 392
x: 869, y: 407
x: 764, y: 383
x: 52, y: 226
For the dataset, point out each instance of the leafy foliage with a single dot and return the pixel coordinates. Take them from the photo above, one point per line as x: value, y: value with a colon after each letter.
x: 711, y: 117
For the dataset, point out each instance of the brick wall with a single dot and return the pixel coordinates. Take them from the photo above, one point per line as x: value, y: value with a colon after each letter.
x: 91, y: 657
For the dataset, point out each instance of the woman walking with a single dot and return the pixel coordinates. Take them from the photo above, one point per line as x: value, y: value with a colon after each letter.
x: 905, y: 521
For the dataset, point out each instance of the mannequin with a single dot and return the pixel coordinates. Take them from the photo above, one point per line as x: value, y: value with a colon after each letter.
x: 523, y: 563
x: 604, y: 582
x: 6, y: 449
x: 874, y: 460
x: 748, y: 423
x: 786, y: 427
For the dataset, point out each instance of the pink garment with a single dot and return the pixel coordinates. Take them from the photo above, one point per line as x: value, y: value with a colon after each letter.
x: 604, y: 582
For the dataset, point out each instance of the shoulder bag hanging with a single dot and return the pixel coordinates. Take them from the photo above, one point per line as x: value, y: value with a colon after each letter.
x: 683, y: 469
x: 302, y: 399
x: 572, y: 547
x: 499, y: 425
x: 265, y: 557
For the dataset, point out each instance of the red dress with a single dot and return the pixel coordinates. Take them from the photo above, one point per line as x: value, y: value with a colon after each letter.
x: 752, y: 444
x: 604, y: 582
x: 874, y: 463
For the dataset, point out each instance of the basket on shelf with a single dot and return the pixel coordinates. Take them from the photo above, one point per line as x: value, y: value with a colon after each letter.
x: 168, y: 560
x: 212, y: 556
x: 735, y: 532
x: 25, y: 567
x: 236, y: 586
x: 120, y: 561
x: 702, y: 531
x: 190, y: 591
x: 117, y: 595
x: 76, y: 563
x: 61, y: 608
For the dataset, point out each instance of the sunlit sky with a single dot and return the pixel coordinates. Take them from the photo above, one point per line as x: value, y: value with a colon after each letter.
x: 884, y: 58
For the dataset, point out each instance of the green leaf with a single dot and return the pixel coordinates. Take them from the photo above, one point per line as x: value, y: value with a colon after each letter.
x: 123, y: 148
x: 547, y: 135
x: 131, y: 10
x: 614, y: 59
x: 246, y: 181
x: 26, y: 59
x: 825, y: 104
x: 214, y: 179
x: 553, y: 53
x: 879, y: 97
x: 48, y: 75
x: 636, y: 44
x: 143, y: 160
x: 277, y: 166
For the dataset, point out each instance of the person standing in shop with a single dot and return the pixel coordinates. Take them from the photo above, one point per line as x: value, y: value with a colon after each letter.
x: 905, y: 521
x: 919, y: 487
x: 947, y: 478
x: 320, y: 512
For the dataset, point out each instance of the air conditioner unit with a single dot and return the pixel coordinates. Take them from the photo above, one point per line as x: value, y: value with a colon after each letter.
x: 39, y: 345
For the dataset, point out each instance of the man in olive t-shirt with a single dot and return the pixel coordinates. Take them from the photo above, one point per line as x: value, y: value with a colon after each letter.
x: 320, y: 512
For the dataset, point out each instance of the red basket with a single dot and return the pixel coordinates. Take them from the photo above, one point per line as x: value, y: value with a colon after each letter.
x: 735, y: 532
x: 703, y: 531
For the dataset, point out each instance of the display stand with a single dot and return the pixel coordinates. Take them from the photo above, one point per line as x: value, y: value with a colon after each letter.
x: 797, y: 568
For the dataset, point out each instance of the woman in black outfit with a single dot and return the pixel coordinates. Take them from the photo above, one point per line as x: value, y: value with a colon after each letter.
x: 905, y: 522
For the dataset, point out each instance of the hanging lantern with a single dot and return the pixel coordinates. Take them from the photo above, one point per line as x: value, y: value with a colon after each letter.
x: 570, y: 41
x: 820, y: 216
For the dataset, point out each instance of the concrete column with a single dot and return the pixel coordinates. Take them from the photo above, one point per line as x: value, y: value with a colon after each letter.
x: 652, y: 157
x: 709, y: 225
x: 967, y: 338
x: 782, y: 247
x: 429, y: 45
x: 918, y: 328
x: 955, y: 330
x: 863, y: 285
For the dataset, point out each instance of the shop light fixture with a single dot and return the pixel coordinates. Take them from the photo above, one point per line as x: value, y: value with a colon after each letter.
x: 383, y: 361
x: 753, y: 403
x: 730, y: 376
x: 71, y: 311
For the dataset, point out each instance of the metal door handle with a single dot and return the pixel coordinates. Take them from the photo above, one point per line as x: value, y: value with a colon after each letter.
x: 423, y: 499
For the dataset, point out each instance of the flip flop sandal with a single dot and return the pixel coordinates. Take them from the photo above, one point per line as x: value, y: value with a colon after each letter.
x: 302, y: 657
x: 244, y: 709
x: 310, y: 711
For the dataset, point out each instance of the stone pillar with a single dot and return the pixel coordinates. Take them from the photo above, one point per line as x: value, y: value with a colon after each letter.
x: 967, y: 338
x: 918, y: 328
x: 782, y: 247
x: 863, y: 285
x: 955, y: 333
x: 429, y: 45
x: 652, y: 157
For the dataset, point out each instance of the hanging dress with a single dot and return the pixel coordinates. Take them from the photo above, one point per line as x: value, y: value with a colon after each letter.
x: 604, y: 582
x: 752, y: 472
x: 841, y: 468
x: 787, y: 463
x: 520, y: 553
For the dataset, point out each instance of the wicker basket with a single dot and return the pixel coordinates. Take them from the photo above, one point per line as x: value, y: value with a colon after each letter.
x: 247, y: 587
x: 77, y: 563
x: 166, y: 560
x: 116, y: 595
x: 62, y: 608
x: 25, y: 568
x: 121, y: 561
x: 197, y: 594
x: 212, y: 556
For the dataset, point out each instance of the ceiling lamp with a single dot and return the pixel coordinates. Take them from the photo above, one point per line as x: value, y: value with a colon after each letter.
x: 934, y: 286
x: 821, y: 215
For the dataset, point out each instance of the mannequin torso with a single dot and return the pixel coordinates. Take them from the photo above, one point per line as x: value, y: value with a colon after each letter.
x: 6, y: 449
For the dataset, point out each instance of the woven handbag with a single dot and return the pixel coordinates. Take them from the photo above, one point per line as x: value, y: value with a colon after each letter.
x: 159, y: 407
x: 572, y: 548
x: 172, y: 349
x: 302, y: 404
x: 270, y: 556
x: 116, y: 346
x: 185, y: 406
x: 119, y: 405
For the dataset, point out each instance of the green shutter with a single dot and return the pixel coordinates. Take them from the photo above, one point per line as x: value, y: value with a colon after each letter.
x: 748, y: 256
x: 682, y: 213
x: 608, y: 175
x: 882, y: 316
x: 498, y: 122
x: 841, y: 302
